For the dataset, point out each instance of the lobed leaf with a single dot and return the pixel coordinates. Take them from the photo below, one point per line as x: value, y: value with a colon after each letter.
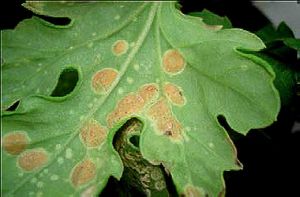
x: 145, y: 60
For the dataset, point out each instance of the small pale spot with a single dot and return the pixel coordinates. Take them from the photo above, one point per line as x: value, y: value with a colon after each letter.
x: 40, y: 184
x: 173, y: 62
x: 37, y: 91
x: 117, y: 17
x: 211, y: 145
x: 58, y: 146
x: 31, y: 193
x: 121, y: 6
x: 20, y: 174
x: 46, y: 171
x: 120, y: 47
x: 83, y: 172
x: 103, y: 79
x: 94, y: 34
x: 90, y: 105
x: 71, y: 47
x: 88, y: 192
x: 69, y: 153
x: 129, y: 80
x: 188, y: 129
x: 15, y: 142
x: 60, y: 160
x: 33, y: 159
x: 136, y: 67
x: 132, y: 44
x: 33, y: 180
x: 54, y: 177
x: 39, y: 194
x: 120, y: 90
x: 244, y: 67
x: 71, y: 112
x: 90, y: 45
x: 81, y: 117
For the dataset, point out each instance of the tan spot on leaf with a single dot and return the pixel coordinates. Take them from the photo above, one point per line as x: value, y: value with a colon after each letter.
x: 165, y: 121
x: 103, y: 79
x: 148, y: 92
x: 120, y: 47
x: 174, y: 94
x: 16, y: 142
x: 33, y: 159
x: 133, y: 103
x: 83, y: 172
x: 192, y: 191
x: 173, y: 62
x: 93, y: 134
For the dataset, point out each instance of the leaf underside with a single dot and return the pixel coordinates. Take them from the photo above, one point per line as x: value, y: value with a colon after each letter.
x: 146, y: 60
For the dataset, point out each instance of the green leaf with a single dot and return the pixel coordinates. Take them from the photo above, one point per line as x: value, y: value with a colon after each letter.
x: 211, y: 18
x: 143, y: 60
x: 283, y: 33
x: 281, y: 46
x: 270, y: 34
x: 292, y: 43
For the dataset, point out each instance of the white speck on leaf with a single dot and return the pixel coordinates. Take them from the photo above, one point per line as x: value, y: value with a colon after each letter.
x: 54, y: 177
x: 40, y: 184
x: 69, y: 153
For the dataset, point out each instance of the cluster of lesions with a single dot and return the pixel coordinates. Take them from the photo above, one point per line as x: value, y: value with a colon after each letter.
x: 165, y: 122
x: 16, y: 144
x: 156, y: 103
x: 92, y: 135
x: 103, y: 79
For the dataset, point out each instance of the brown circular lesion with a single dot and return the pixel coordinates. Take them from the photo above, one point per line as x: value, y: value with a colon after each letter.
x: 165, y: 121
x: 120, y: 47
x: 83, y: 172
x: 173, y: 61
x: 103, y: 79
x: 174, y: 94
x: 93, y: 134
x: 16, y: 142
x: 33, y: 159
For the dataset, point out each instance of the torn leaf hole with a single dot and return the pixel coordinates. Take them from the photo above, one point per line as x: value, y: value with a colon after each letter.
x: 232, y: 133
x: 222, y: 121
x: 61, y: 22
x: 66, y: 83
x: 135, y: 140
x: 13, y: 107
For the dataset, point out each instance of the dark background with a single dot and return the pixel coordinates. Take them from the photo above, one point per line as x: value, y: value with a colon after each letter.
x: 269, y: 156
